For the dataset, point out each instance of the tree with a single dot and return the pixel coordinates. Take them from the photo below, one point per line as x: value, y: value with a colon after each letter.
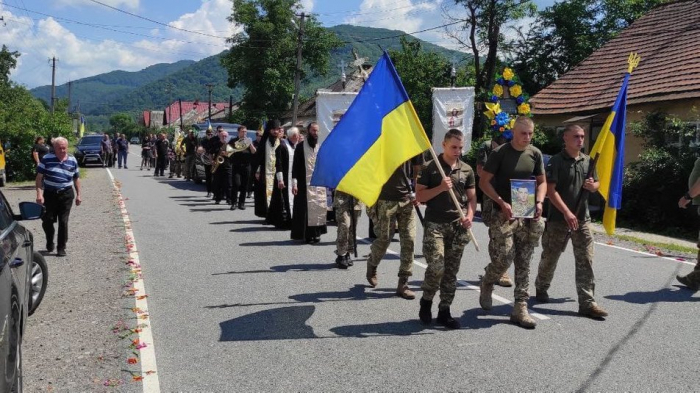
x: 123, y: 123
x: 482, y: 33
x: 420, y: 71
x: 263, y: 56
x: 8, y: 61
x: 566, y: 33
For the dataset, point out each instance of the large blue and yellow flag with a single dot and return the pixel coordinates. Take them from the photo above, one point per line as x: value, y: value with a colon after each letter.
x: 610, y: 148
x: 379, y: 132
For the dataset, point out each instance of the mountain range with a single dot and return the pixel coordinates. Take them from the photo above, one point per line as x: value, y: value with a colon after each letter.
x: 100, y: 96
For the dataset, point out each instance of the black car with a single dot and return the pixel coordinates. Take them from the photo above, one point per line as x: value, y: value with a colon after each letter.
x: 23, y: 279
x: 88, y: 150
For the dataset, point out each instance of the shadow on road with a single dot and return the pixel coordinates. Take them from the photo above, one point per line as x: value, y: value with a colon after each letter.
x: 271, y: 243
x: 285, y: 323
x: 301, y: 267
x: 476, y: 318
x: 667, y: 295
x: 411, y: 327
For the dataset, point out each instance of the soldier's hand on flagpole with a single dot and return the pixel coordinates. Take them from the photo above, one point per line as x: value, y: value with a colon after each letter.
x: 446, y: 184
x: 590, y: 185
x: 466, y: 222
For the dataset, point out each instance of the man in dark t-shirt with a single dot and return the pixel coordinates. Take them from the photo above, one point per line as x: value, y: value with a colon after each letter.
x: 513, y: 239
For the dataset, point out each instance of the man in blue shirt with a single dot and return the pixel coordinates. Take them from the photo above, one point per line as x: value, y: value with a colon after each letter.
x: 57, y: 175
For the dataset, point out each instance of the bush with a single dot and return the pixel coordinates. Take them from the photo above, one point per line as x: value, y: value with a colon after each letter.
x: 653, y: 185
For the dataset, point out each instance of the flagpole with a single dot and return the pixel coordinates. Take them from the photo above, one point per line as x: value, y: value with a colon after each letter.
x: 454, y: 198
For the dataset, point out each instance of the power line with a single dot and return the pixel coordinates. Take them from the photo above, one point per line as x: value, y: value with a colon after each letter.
x: 154, y: 21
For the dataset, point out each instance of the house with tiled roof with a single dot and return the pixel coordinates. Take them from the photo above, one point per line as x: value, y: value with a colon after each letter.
x: 667, y: 79
x: 192, y: 112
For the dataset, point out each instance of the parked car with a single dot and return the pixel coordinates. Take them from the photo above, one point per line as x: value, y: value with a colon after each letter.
x: 23, y: 280
x: 88, y: 150
x: 135, y: 141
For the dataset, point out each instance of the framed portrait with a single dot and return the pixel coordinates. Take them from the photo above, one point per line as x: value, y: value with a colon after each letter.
x: 522, y: 196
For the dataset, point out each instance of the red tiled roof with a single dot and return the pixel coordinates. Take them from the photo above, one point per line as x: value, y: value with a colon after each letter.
x: 146, y: 118
x: 202, y: 108
x: 668, y: 41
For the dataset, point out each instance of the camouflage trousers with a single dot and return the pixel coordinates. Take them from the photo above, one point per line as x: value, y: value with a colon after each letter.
x: 345, y: 242
x: 552, y: 246
x: 383, y: 213
x: 513, y: 241
x: 443, y: 245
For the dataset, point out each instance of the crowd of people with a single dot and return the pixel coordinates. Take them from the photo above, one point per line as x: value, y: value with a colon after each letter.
x: 276, y: 169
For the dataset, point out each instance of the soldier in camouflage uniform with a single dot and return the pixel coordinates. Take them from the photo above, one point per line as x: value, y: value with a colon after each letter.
x: 445, y: 232
x: 345, y: 242
x: 395, y: 201
x: 487, y: 209
x: 692, y: 280
x: 513, y: 239
x: 566, y: 180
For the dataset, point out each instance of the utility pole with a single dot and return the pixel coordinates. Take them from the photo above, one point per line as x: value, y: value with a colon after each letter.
x: 453, y: 72
x: 210, y: 87
x: 297, y: 74
x: 169, y: 92
x: 70, y: 91
x: 53, y: 83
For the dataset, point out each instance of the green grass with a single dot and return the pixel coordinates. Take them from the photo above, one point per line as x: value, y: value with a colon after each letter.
x: 665, y: 246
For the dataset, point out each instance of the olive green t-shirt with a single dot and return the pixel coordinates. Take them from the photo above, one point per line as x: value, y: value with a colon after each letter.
x: 506, y: 163
x: 397, y: 188
x: 568, y: 174
x: 441, y: 209
x: 694, y: 176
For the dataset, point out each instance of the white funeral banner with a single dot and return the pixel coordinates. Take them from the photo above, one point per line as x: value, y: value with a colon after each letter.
x: 453, y: 107
x: 330, y: 107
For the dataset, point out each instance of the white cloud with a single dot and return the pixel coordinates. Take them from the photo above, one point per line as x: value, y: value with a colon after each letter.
x: 307, y: 5
x: 80, y: 57
x: 404, y: 15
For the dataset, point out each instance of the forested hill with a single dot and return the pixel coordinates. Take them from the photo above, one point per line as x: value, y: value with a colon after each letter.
x: 132, y: 92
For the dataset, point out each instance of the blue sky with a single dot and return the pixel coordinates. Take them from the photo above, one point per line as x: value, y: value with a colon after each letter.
x: 90, y: 38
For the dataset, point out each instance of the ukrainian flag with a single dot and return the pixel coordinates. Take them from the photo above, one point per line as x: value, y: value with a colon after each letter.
x: 610, y: 146
x: 379, y: 132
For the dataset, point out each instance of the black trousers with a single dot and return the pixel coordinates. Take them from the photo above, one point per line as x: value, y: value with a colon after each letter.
x: 207, y: 178
x: 58, y: 205
x: 222, y: 183
x: 241, y: 178
x: 161, y: 162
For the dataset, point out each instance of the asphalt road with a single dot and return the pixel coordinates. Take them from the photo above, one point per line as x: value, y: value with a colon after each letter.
x: 237, y: 306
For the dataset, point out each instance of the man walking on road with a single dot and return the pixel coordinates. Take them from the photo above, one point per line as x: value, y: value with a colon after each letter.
x: 395, y: 203
x: 513, y: 239
x: 566, y: 181
x: 445, y: 232
x: 692, y: 280
x: 189, y: 143
x: 122, y: 150
x: 161, y: 155
x: 57, y: 175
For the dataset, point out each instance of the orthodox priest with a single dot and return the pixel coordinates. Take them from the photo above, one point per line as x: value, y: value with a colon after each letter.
x: 309, y: 214
x: 264, y: 167
x: 279, y: 212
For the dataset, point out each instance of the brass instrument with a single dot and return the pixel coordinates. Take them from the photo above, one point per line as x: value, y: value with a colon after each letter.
x: 242, y: 145
x: 225, y: 152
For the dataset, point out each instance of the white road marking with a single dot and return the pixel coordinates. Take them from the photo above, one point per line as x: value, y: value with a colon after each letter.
x: 149, y: 369
x: 462, y: 283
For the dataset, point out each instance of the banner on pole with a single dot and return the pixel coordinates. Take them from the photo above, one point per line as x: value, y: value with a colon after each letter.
x: 330, y: 107
x: 453, y: 107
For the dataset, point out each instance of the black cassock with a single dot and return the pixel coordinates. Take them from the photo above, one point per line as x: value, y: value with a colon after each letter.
x: 278, y: 213
x: 300, y: 228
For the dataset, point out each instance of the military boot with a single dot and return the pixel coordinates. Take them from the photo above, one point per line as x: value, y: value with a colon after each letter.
x: 372, y: 276
x: 340, y: 262
x: 593, y: 311
x: 348, y: 260
x: 445, y: 319
x: 403, y: 291
x: 685, y: 280
x: 425, y: 314
x: 485, y: 299
x: 541, y: 295
x: 521, y: 317
x: 505, y: 280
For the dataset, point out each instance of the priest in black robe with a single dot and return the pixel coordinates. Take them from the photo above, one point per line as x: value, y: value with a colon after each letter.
x: 264, y: 167
x: 310, y: 207
x: 279, y: 213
